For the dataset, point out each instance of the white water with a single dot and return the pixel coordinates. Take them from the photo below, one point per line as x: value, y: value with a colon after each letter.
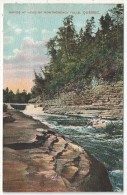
x: 31, y: 109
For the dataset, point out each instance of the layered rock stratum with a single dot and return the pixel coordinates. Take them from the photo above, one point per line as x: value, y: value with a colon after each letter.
x: 104, y: 100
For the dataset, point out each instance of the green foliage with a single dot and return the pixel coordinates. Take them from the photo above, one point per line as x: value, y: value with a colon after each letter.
x: 19, y: 97
x: 85, y: 55
x: 4, y: 108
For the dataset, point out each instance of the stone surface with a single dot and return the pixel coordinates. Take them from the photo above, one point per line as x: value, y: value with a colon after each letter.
x: 104, y: 100
x: 7, y: 118
x: 53, y: 164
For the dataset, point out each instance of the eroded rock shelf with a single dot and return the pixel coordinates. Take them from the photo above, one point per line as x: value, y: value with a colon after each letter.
x: 38, y: 159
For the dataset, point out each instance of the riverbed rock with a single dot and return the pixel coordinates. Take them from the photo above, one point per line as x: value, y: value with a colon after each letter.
x: 8, y: 118
x: 53, y: 165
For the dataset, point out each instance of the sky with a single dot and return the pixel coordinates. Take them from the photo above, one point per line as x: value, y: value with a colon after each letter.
x: 27, y: 29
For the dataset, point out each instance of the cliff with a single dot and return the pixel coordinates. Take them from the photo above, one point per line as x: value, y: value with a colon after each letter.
x: 104, y: 100
x: 38, y: 159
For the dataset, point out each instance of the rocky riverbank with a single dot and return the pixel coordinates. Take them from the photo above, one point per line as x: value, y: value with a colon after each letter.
x: 37, y: 159
x: 104, y: 100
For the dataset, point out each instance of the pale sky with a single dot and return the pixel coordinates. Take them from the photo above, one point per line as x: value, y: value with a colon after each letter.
x: 28, y: 27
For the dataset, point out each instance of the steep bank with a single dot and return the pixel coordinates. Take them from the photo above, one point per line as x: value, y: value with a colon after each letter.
x: 104, y: 100
x: 42, y: 160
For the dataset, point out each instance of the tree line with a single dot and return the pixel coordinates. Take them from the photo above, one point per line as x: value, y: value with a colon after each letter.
x: 19, y: 97
x: 86, y: 55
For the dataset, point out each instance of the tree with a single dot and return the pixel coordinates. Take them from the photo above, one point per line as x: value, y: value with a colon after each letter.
x: 39, y: 82
x: 106, y: 23
x: 66, y: 38
x: 89, y: 29
x: 19, y: 97
x: 51, y: 48
x: 117, y: 15
x: 83, y: 56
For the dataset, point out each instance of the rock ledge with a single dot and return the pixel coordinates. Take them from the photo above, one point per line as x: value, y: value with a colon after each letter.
x: 50, y: 163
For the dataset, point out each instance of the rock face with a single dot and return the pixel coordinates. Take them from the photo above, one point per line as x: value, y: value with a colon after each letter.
x: 104, y: 100
x: 48, y: 162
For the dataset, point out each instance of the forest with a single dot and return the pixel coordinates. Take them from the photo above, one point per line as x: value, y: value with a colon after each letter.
x: 19, y: 97
x: 83, y: 56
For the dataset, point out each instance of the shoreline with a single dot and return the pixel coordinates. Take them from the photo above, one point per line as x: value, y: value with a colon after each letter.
x: 83, y: 112
x: 105, y: 101
x: 43, y: 156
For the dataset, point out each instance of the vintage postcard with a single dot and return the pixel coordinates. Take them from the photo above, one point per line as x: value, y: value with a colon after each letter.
x: 63, y: 97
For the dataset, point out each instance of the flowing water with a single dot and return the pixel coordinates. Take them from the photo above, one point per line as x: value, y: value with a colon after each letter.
x: 106, y: 144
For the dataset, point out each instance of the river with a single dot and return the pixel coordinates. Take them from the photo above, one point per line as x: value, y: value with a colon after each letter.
x: 106, y: 144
